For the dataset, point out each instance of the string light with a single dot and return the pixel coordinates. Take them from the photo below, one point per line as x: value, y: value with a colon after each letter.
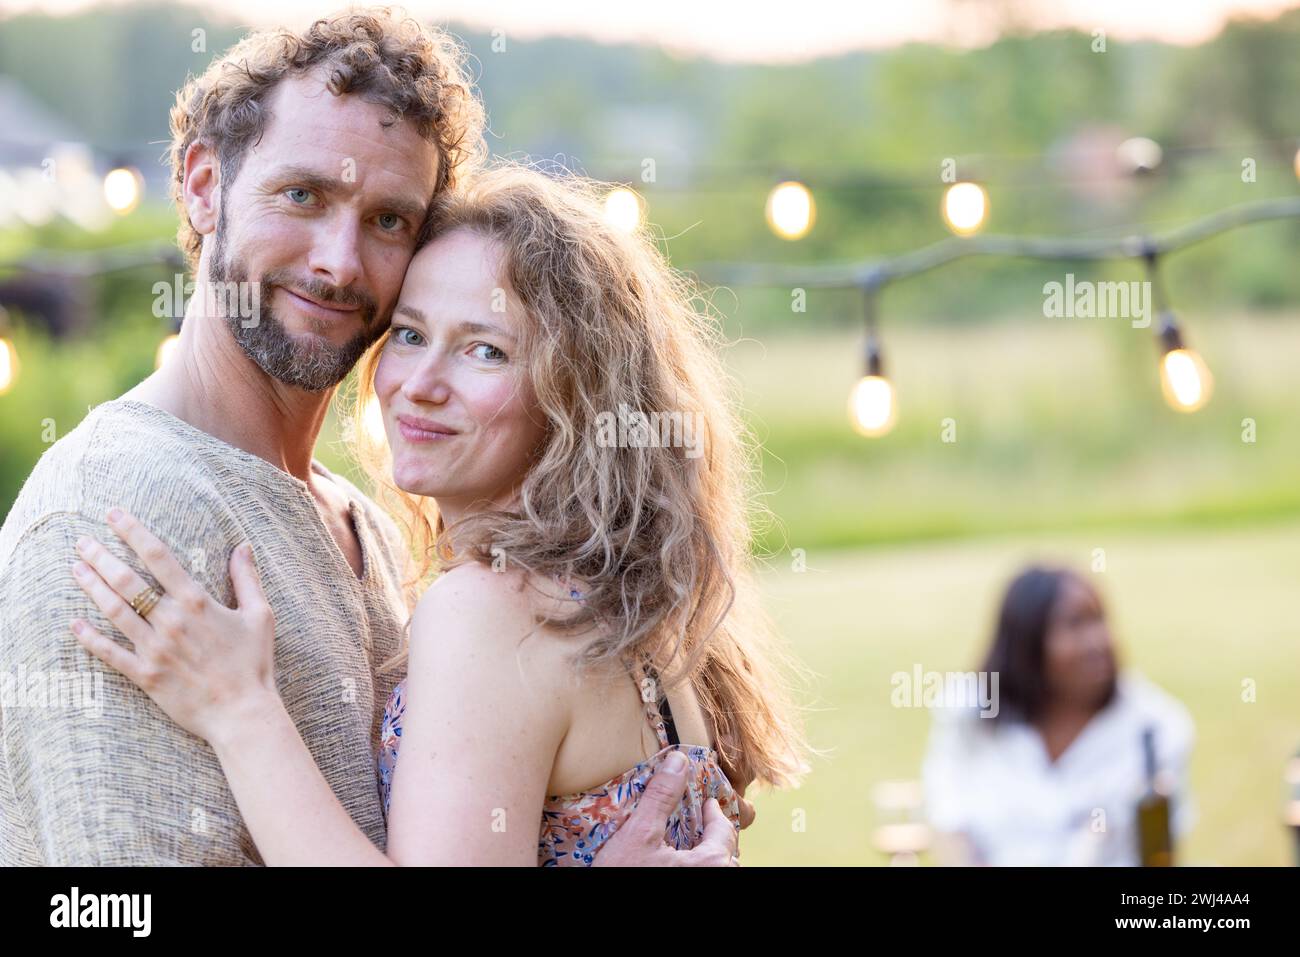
x: 965, y: 207
x: 1185, y: 379
x: 123, y: 188
x: 790, y: 210
x: 873, y: 404
x: 8, y: 355
x: 623, y: 209
x: 873, y: 407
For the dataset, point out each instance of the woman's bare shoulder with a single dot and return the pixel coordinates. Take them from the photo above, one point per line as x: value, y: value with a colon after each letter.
x: 499, y: 613
x: 477, y: 588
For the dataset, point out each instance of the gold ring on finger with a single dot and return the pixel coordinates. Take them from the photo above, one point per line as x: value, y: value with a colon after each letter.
x: 146, y: 601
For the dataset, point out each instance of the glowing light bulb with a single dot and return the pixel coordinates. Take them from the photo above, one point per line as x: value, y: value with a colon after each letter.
x: 8, y: 365
x: 122, y: 190
x: 165, y: 349
x: 965, y: 207
x: 1185, y: 379
x: 623, y: 209
x: 872, y: 406
x: 790, y: 210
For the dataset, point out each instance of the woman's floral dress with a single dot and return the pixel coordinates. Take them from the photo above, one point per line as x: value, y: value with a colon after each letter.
x: 575, y: 826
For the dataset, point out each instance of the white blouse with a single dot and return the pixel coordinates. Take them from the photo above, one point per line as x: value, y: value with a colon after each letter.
x: 998, y: 787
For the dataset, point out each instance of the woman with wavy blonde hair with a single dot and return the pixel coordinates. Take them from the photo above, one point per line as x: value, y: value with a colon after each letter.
x: 660, y: 533
x: 565, y: 453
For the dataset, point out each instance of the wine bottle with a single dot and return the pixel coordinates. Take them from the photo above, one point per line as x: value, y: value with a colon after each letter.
x: 1155, y: 841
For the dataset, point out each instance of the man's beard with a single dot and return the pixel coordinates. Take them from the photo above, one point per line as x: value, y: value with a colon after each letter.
x: 314, y: 365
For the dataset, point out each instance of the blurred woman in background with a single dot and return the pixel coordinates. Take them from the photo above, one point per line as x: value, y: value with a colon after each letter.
x: 1052, y: 775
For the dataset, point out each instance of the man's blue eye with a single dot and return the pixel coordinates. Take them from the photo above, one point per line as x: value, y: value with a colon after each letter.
x: 298, y: 194
x: 390, y: 221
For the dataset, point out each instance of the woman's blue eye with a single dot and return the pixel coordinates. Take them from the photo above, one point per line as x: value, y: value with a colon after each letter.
x: 397, y: 334
x: 495, y: 354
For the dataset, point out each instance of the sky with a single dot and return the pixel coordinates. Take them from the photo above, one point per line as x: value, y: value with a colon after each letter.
x: 765, y: 31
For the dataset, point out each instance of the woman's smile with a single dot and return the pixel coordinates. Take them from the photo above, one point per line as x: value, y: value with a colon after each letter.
x: 423, y: 430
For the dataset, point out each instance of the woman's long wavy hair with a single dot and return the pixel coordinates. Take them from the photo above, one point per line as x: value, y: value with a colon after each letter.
x: 659, y: 536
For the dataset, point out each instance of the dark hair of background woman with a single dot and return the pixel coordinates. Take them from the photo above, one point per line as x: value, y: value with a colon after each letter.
x: 1018, y: 652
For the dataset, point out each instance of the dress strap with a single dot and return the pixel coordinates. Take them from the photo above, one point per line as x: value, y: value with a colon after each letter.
x: 658, y: 711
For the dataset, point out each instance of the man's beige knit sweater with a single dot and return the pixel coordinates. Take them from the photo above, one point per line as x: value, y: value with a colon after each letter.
x: 91, y: 770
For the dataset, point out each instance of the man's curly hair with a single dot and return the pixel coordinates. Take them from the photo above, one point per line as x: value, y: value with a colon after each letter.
x: 388, y: 58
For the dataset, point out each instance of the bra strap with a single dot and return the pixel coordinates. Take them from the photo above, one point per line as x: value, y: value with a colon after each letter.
x: 663, y: 711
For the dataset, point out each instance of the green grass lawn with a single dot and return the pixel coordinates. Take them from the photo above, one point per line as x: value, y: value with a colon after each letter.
x: 1196, y: 610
